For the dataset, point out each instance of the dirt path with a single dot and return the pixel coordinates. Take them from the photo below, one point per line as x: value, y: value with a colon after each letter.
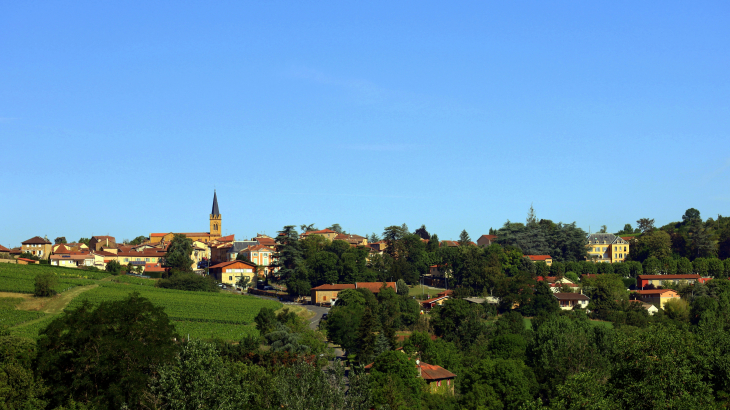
x: 58, y: 303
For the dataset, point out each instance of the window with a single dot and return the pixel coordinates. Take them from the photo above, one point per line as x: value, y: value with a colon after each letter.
x: 146, y: 259
x: 126, y: 259
x: 438, y: 383
x: 230, y: 278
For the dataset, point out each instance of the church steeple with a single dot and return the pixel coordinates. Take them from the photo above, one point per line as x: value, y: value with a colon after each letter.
x: 215, y: 219
x: 215, y: 205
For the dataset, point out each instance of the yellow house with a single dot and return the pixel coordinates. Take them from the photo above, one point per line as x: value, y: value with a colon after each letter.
x: 607, y: 247
x: 327, y: 233
x: 230, y: 272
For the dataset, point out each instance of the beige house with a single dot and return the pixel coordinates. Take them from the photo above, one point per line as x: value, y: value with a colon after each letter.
x: 657, y: 297
x: 77, y: 260
x: 327, y: 233
x: 40, y: 247
x: 97, y: 242
x: 327, y: 293
x: 568, y: 301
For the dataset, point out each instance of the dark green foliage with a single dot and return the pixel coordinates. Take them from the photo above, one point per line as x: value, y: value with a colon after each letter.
x: 20, y: 388
x: 498, y: 384
x: 60, y: 240
x: 138, y: 240
x: 541, y: 302
x: 105, y: 354
x: 178, y: 254
x: 188, y: 281
x: 44, y: 284
x: 402, y: 287
x: 564, y: 242
x: 394, y: 382
x: 114, y: 267
x: 265, y: 321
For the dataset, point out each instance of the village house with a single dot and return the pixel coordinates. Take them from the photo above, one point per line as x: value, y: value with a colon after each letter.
x: 439, y: 300
x: 657, y: 297
x: 262, y: 256
x: 541, y: 258
x: 97, y: 242
x: 230, y: 272
x: 326, y: 294
x: 486, y: 240
x: 37, y: 246
x: 353, y: 240
x: 568, y: 301
x: 650, y: 309
x: 327, y: 233
x: 438, y: 380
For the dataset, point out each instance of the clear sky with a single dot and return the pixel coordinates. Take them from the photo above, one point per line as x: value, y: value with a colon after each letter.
x: 121, y: 118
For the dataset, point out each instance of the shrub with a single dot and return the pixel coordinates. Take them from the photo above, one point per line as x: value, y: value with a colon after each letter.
x: 188, y: 281
x: 44, y: 284
x: 114, y: 267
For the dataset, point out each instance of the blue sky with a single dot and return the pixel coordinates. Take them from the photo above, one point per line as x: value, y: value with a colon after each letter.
x: 121, y: 119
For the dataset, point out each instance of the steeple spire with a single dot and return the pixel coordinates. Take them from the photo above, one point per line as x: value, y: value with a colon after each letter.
x: 215, y: 211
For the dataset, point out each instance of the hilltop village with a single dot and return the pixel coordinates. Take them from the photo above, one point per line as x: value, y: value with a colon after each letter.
x: 530, y: 315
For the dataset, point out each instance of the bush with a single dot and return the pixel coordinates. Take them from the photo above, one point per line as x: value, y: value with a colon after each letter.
x: 114, y: 267
x: 188, y: 281
x: 44, y: 284
x: 629, y: 282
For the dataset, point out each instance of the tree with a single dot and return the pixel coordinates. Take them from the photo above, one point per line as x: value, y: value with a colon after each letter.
x: 402, y: 287
x: 198, y: 379
x: 307, y: 228
x: 19, y: 387
x: 138, y: 240
x: 85, y: 241
x: 265, y: 321
x: 366, y: 334
x: 531, y: 218
x: 243, y: 282
x: 303, y: 387
x: 505, y: 384
x: 336, y: 227
x: 464, y: 238
x: 645, y: 225
x: 691, y: 216
x: 44, y: 284
x: 541, y: 302
x: 105, y: 355
x: 423, y: 233
x: 394, y: 382
x: 178, y: 254
x: 114, y: 267
x: 373, y: 238
x: 604, y: 229
x: 60, y: 240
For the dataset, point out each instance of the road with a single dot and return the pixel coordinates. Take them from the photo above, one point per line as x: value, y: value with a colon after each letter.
x: 314, y: 321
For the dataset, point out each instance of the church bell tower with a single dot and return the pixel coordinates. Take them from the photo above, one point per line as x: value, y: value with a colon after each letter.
x: 215, y: 219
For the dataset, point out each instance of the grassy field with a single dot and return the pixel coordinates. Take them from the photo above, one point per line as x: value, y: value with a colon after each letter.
x: 199, y: 315
x: 432, y: 292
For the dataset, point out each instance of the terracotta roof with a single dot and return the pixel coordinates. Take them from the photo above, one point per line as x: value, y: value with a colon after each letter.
x: 105, y: 253
x: 36, y: 240
x: 653, y: 291
x: 258, y: 248
x: 104, y: 237
x: 560, y: 285
x: 4, y: 249
x: 570, y: 296
x: 436, y: 299
x: 490, y: 237
x: 659, y: 277
x: 339, y: 286
x: 146, y: 253
x: 229, y: 238
x: 224, y: 264
x: 182, y: 233
x: 28, y: 260
x: 433, y: 372
x: 374, y: 286
x: 62, y: 249
x: 536, y: 258
x: 264, y: 241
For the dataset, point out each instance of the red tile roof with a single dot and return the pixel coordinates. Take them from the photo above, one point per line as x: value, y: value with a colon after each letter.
x: 654, y: 291
x: 321, y: 231
x: 62, y: 249
x: 433, y: 372
x: 229, y: 238
x: 258, y: 248
x: 28, y: 260
x: 143, y: 254
x: 36, y: 240
x: 224, y: 264
x: 4, y: 249
x: 182, y: 233
x: 660, y: 277
x: 372, y: 286
x: 536, y: 258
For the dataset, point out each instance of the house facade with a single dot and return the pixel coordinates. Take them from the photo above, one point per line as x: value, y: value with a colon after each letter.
x: 327, y: 233
x: 660, y: 280
x: 37, y: 246
x: 97, y: 242
x: 541, y: 258
x: 230, y: 272
x: 657, y: 297
x: 568, y: 301
x: 327, y: 293
x: 607, y: 248
x: 486, y: 240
